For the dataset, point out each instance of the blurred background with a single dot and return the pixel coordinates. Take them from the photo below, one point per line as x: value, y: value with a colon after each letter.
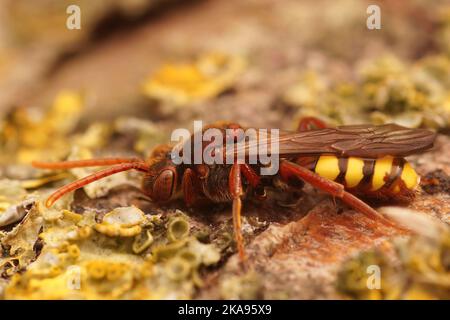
x: 145, y: 67
x: 256, y: 61
x: 137, y: 69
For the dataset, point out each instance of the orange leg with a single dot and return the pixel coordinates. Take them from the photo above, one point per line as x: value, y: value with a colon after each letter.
x: 141, y: 166
x: 83, y: 163
x: 192, y: 192
x: 309, y: 123
x: 250, y: 175
x: 235, y: 185
x: 289, y: 169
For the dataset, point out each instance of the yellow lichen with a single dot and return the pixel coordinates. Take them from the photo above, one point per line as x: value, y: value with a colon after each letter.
x: 97, y: 269
x: 29, y: 137
x: 75, y: 262
x: 115, y: 271
x: 114, y: 230
x: 422, y: 271
x: 388, y: 91
x: 184, y: 83
x: 142, y: 241
x: 178, y: 269
x: 178, y: 228
x: 122, y: 222
x: 84, y: 232
x: 75, y: 217
x: 73, y: 251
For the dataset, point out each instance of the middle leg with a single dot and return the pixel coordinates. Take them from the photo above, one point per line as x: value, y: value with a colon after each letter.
x: 235, y: 186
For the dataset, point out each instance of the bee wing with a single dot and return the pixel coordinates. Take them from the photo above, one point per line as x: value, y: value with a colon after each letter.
x: 365, y: 141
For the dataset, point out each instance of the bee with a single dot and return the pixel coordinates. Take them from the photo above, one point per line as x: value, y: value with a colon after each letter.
x: 345, y: 162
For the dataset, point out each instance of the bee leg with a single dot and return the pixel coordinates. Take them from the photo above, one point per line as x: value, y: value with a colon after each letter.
x: 254, y: 180
x: 235, y: 185
x: 250, y: 175
x: 192, y: 192
x: 334, y: 202
x: 289, y: 169
x: 140, y: 166
x: 309, y: 123
x: 83, y: 163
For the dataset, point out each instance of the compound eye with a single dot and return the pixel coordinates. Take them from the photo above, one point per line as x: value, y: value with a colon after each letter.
x: 164, y: 186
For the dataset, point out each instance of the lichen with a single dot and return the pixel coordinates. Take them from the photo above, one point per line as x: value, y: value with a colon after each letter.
x: 387, y: 90
x: 422, y: 271
x: 81, y: 260
x: 30, y: 135
x: 184, y: 83
x: 246, y: 286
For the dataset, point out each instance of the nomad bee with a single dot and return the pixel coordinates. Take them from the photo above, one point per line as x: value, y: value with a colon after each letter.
x: 346, y: 162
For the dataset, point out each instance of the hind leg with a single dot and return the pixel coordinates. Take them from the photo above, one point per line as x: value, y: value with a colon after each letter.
x: 310, y: 123
x: 290, y: 170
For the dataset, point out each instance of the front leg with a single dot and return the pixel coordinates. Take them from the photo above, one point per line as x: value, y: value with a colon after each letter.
x: 192, y: 192
x: 235, y: 186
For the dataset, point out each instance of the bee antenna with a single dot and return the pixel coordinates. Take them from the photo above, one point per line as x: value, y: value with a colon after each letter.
x: 140, y: 166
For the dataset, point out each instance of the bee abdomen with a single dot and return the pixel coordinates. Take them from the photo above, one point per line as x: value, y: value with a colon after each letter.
x: 386, y: 175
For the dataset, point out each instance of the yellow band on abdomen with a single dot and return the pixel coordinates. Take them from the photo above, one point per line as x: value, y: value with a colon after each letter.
x: 410, y: 177
x: 383, y: 167
x: 327, y: 167
x: 354, y: 173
